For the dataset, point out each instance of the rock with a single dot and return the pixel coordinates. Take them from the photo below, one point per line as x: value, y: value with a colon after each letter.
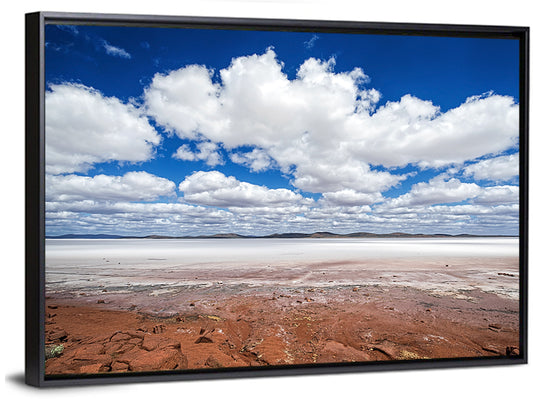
x: 100, y: 301
x: 213, y: 362
x: 91, y: 368
x: 127, y: 347
x: 119, y: 367
x: 119, y: 336
x: 492, y: 349
x: 388, y: 349
x: 495, y: 327
x: 271, y: 350
x: 129, y: 356
x: 112, y: 347
x: 150, y: 342
x: 334, y: 351
x: 87, y: 352
x: 203, y: 340
x: 135, y: 333
x: 355, y: 289
x: 158, y: 329
x: 52, y: 306
x: 211, y: 357
x: 135, y: 341
x: 161, y: 359
x: 512, y: 351
x: 60, y: 335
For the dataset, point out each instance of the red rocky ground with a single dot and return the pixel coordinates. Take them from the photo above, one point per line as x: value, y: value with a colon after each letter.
x: 350, y: 324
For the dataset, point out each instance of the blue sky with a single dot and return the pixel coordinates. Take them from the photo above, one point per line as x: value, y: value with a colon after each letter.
x: 187, y: 132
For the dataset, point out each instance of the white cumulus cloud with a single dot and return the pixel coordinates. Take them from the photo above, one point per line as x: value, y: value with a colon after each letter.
x: 437, y: 191
x: 133, y: 186
x: 207, y: 152
x: 257, y: 160
x: 496, y: 169
x: 216, y: 189
x: 323, y: 127
x: 348, y: 197
x: 498, y: 195
x: 84, y: 127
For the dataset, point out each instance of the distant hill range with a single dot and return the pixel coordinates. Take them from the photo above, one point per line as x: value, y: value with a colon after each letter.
x: 318, y: 234
x: 95, y: 236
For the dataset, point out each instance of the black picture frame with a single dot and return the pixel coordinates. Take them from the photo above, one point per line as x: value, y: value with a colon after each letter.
x: 35, y: 187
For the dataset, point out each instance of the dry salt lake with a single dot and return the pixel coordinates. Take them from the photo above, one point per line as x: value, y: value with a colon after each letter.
x: 139, y: 270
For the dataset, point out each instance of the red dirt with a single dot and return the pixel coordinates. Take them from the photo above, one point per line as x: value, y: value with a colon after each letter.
x: 311, y: 325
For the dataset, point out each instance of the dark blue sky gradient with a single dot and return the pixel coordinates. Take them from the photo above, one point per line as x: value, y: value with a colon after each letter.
x: 444, y: 70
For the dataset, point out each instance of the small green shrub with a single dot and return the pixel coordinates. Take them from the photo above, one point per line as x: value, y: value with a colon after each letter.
x: 53, y: 351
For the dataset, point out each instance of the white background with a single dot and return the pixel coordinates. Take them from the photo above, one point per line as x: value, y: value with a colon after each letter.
x: 488, y: 382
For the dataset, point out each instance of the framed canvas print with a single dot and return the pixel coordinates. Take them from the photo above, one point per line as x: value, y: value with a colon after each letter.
x: 218, y: 197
